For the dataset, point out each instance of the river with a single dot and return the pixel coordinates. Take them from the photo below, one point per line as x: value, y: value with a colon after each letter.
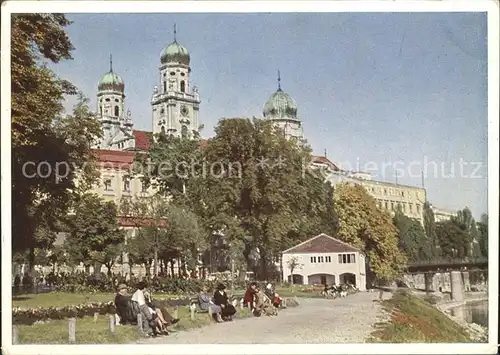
x: 473, y: 312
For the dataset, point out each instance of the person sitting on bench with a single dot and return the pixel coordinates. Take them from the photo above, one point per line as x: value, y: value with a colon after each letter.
x: 149, y: 314
x: 221, y: 299
x: 125, y: 307
x: 205, y: 303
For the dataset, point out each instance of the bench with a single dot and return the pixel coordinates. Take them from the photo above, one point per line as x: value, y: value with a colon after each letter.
x: 195, y: 301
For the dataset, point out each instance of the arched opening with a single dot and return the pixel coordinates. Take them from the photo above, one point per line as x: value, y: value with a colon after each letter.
x: 296, y: 279
x: 117, y: 111
x: 100, y: 110
x: 162, y: 129
x: 184, y: 131
x: 183, y: 86
x: 321, y: 279
x: 164, y: 86
x: 347, y: 279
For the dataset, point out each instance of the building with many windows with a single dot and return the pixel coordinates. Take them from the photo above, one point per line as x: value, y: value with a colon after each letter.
x: 388, y: 195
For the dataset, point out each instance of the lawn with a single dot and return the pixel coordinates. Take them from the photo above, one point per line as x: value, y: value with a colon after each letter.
x: 413, y: 320
x: 89, y: 331
x: 61, y: 299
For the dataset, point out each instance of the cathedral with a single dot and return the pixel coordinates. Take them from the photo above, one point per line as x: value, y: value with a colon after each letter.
x: 175, y: 106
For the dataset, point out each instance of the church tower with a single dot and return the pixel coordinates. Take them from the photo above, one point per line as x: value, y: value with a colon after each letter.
x: 116, y: 124
x: 282, y: 110
x: 175, y: 105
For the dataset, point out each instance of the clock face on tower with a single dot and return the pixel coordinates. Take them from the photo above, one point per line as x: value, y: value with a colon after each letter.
x: 184, y: 110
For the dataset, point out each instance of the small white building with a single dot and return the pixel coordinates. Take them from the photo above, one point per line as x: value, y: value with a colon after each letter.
x: 325, y: 260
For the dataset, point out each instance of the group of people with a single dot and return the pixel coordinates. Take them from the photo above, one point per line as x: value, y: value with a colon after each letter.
x: 155, y: 316
x: 265, y: 301
x: 222, y: 309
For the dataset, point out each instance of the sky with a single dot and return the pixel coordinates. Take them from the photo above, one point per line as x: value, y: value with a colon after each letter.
x: 388, y: 93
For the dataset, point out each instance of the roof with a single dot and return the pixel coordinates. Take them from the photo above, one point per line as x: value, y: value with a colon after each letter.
x: 142, y: 139
x: 322, y: 243
x: 116, y: 159
x: 324, y: 160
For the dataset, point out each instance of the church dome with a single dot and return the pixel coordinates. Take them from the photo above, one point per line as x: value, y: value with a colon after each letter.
x: 111, y: 82
x: 280, y: 105
x: 175, y: 53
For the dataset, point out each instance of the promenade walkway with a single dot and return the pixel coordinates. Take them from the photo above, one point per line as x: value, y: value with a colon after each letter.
x: 314, y: 321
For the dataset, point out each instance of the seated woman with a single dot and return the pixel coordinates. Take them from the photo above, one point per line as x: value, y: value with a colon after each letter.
x: 273, y: 296
x: 221, y: 299
x: 206, y: 303
x: 164, y: 318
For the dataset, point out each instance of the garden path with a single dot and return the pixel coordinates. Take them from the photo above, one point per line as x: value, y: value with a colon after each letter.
x: 314, y: 321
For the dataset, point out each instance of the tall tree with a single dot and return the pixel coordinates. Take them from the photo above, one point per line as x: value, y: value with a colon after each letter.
x: 261, y: 195
x: 453, y: 239
x: 465, y: 220
x: 412, y: 238
x: 430, y: 230
x: 46, y: 150
x: 482, y: 228
x: 363, y: 225
x: 164, y: 230
x: 93, y: 230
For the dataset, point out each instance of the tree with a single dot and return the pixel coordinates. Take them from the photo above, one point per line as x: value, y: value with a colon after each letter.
x: 40, y: 137
x: 93, y: 230
x: 412, y: 238
x: 260, y: 194
x: 293, y: 264
x: 163, y: 230
x: 430, y: 230
x: 149, y: 215
x: 482, y: 228
x: 363, y: 225
x: 453, y: 239
x: 465, y: 220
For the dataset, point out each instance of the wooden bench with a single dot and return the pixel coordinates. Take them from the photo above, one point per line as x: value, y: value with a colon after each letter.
x: 195, y: 300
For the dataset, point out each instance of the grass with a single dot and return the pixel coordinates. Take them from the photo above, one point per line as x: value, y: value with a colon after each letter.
x: 414, y: 320
x: 89, y: 331
x: 61, y: 299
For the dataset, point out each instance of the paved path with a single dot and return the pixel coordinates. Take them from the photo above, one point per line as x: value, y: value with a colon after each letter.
x: 347, y: 320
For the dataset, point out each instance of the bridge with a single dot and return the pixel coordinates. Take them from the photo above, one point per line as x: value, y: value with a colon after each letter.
x: 448, y: 275
x: 446, y: 264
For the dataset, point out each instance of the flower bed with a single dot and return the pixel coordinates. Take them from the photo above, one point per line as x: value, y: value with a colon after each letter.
x: 32, y: 315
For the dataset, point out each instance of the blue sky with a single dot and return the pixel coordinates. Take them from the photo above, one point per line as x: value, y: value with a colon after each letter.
x: 371, y: 88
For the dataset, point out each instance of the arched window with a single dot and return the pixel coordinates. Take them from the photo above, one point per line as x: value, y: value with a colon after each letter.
x: 162, y: 129
x: 164, y: 86
x: 184, y: 131
x: 183, y: 86
x: 100, y: 110
x: 117, y: 111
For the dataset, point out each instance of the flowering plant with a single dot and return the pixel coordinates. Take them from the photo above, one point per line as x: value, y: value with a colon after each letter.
x: 31, y: 315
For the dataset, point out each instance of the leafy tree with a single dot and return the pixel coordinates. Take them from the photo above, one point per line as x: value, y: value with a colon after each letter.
x: 412, y: 238
x: 40, y: 137
x: 93, y: 230
x: 364, y: 226
x: 453, y: 239
x: 259, y: 193
x: 468, y: 224
x: 293, y: 264
x: 482, y: 228
x: 163, y: 230
x: 430, y: 230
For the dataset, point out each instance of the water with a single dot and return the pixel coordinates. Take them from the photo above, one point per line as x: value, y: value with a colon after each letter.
x: 474, y: 312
